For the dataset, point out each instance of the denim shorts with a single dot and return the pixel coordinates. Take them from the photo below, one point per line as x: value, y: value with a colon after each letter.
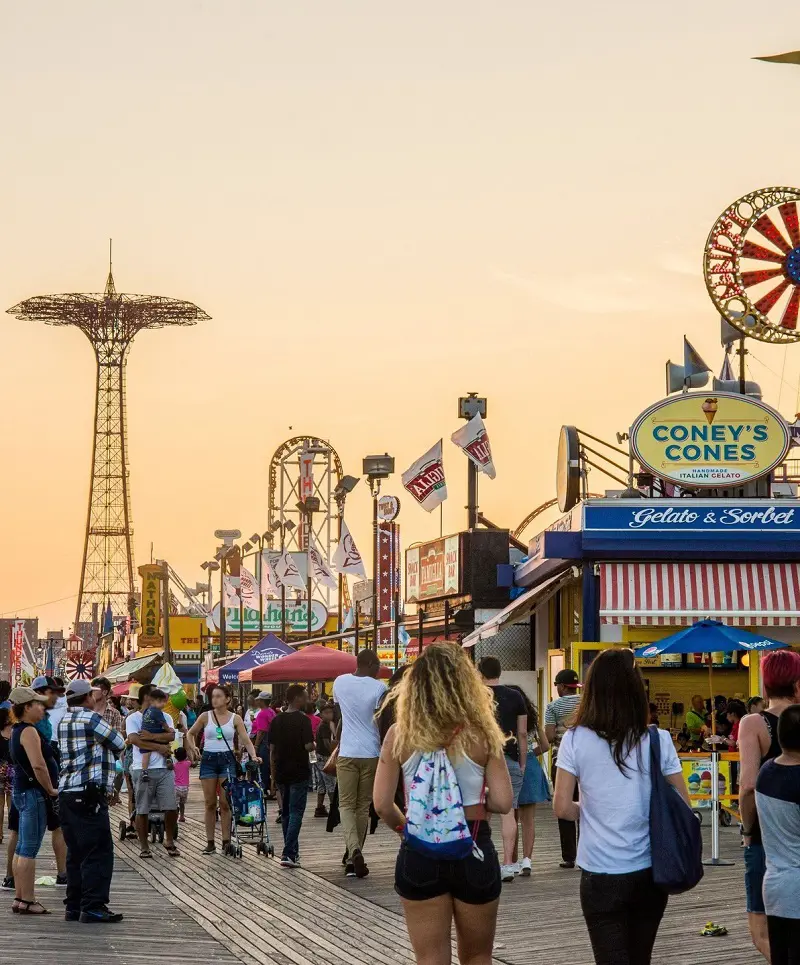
x: 32, y: 821
x: 755, y: 867
x: 516, y: 775
x: 418, y: 877
x: 218, y: 764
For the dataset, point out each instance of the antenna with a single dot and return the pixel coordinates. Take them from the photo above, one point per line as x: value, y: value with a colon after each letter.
x: 110, y: 264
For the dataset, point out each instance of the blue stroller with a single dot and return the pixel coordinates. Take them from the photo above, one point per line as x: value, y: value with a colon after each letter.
x: 248, y: 813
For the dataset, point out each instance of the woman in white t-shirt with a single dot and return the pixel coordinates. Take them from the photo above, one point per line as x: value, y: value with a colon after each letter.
x: 607, y: 752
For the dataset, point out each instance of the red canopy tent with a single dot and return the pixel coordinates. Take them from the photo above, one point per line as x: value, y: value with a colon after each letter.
x: 310, y: 663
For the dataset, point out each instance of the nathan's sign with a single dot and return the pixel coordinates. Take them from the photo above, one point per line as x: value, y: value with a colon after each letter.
x: 433, y: 570
x: 702, y: 440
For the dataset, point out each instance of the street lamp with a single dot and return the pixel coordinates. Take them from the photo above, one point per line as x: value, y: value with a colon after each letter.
x: 308, y: 507
x: 376, y: 469
x: 284, y: 526
x: 345, y: 486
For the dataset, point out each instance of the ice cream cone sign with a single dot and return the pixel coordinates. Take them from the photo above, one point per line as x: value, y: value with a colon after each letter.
x: 710, y: 410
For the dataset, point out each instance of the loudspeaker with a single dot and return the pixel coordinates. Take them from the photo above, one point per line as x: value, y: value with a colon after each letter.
x: 752, y: 389
x: 677, y: 381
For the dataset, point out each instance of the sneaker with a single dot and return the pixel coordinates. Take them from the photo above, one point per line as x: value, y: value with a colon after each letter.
x: 349, y: 871
x: 72, y: 915
x: 210, y: 848
x: 279, y: 818
x: 360, y: 864
x: 100, y: 917
x: 289, y: 862
x: 8, y: 884
x: 517, y: 866
x: 61, y: 880
x: 566, y: 865
x: 507, y: 872
x: 525, y: 868
x: 321, y: 812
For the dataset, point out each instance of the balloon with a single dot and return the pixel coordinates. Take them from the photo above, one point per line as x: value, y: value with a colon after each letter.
x: 179, y: 700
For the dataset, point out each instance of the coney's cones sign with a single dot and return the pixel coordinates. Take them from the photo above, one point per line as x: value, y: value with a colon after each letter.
x: 473, y: 439
x: 424, y: 479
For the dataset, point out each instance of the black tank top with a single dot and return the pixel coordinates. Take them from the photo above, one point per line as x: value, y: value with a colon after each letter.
x: 24, y: 777
x: 771, y: 721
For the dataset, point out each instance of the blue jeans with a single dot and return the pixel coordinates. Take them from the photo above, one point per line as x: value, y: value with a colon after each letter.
x: 293, y: 807
x: 32, y: 821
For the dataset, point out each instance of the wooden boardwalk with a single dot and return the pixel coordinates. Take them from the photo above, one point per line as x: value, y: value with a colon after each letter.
x: 216, y: 909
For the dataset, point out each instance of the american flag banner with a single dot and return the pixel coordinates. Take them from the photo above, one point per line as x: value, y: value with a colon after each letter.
x: 388, y: 578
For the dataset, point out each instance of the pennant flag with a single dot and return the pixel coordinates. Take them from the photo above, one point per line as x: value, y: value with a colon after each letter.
x: 287, y: 571
x: 424, y: 479
x: 108, y: 620
x: 403, y: 637
x: 473, y: 439
x: 692, y: 363
x: 318, y: 565
x: 269, y: 582
x: 793, y: 57
x: 727, y: 370
x: 349, y: 619
x: 231, y: 590
x: 249, y: 589
x: 347, y: 559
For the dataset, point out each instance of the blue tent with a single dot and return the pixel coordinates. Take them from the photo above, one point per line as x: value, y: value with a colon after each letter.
x: 709, y: 636
x: 266, y: 650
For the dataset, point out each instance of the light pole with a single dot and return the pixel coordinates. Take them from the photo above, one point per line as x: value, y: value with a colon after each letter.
x: 284, y: 527
x: 308, y: 507
x: 256, y: 540
x: 346, y: 485
x: 468, y: 407
x: 376, y: 468
x: 210, y: 566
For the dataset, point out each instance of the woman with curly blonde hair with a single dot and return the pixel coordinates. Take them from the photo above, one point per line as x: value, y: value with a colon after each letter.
x: 442, y: 704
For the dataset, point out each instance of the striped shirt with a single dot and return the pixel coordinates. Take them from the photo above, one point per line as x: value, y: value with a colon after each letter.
x: 89, y: 747
x: 559, y: 714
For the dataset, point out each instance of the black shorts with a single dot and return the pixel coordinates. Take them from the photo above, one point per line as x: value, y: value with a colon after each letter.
x: 53, y: 820
x: 419, y: 878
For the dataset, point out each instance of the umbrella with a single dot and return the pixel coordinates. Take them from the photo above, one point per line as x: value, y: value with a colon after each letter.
x: 709, y: 636
x: 310, y: 663
x: 269, y: 648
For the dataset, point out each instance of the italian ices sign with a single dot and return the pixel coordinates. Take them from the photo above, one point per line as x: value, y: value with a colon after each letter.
x: 424, y: 479
x: 474, y: 440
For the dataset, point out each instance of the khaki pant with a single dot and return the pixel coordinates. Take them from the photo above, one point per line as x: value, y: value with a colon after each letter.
x: 356, y: 776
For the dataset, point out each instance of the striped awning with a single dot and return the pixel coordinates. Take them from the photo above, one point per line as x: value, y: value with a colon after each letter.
x: 676, y: 594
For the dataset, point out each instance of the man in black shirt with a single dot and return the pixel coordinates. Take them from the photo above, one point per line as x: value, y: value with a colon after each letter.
x: 291, y: 740
x: 512, y: 716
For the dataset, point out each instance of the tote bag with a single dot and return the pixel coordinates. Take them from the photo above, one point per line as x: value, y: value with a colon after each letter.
x: 675, y: 839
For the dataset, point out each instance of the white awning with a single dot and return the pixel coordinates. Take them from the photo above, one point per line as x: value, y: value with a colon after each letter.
x: 520, y: 609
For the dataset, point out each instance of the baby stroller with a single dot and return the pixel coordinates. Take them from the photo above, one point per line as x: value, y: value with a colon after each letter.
x: 248, y: 813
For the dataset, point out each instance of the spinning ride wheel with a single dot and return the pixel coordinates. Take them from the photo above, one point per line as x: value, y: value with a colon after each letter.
x: 752, y: 264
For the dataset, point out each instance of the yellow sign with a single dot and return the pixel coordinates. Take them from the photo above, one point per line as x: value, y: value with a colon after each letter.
x: 710, y: 440
x: 184, y: 634
x: 150, y: 631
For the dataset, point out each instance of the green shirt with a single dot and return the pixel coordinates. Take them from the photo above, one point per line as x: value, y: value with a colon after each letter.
x: 695, y: 724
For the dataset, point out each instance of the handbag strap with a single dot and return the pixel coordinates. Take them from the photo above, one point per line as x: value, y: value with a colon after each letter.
x: 655, y: 753
x: 219, y: 728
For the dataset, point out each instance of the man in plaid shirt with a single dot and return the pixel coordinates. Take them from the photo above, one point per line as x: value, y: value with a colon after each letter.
x: 89, y: 747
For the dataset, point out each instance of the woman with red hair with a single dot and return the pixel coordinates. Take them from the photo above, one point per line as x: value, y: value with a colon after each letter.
x: 758, y: 743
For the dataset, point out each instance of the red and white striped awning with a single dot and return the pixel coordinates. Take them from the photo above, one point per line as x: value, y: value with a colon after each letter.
x: 676, y: 594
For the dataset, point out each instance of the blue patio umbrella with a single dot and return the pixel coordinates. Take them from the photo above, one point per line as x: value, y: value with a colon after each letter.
x: 710, y: 636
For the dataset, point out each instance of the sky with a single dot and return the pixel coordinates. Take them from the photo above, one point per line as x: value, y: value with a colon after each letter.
x: 381, y: 207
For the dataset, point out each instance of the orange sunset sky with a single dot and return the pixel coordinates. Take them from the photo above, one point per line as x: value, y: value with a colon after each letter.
x: 382, y: 206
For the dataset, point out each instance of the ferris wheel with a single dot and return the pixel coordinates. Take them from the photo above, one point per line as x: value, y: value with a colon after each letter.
x: 752, y: 264
x: 306, y: 466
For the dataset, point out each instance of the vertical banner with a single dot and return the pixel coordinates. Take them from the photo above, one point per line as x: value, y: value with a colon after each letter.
x: 150, y: 629
x: 388, y: 580
x: 17, y: 631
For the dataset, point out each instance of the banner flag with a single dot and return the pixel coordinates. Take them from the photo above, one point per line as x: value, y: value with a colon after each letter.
x: 248, y: 587
x: 269, y: 581
x: 347, y: 558
x: 231, y: 590
x: 287, y: 571
x: 424, y: 479
x: 474, y: 440
x: 692, y: 363
x: 727, y: 374
x: 318, y: 565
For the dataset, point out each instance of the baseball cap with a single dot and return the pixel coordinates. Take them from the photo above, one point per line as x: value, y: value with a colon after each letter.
x: 567, y: 678
x: 79, y: 688
x: 44, y: 683
x: 24, y: 695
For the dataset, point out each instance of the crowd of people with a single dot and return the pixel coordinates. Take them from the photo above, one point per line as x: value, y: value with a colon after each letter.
x: 434, y: 755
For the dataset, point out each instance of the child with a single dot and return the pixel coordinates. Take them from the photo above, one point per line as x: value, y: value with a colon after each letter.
x: 182, y: 768
x: 153, y: 723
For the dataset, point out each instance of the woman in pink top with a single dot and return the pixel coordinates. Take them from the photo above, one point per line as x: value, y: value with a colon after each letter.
x: 260, y: 736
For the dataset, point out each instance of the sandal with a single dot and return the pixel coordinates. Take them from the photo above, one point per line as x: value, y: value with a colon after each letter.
x: 172, y: 851
x: 31, y: 904
x: 145, y: 853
